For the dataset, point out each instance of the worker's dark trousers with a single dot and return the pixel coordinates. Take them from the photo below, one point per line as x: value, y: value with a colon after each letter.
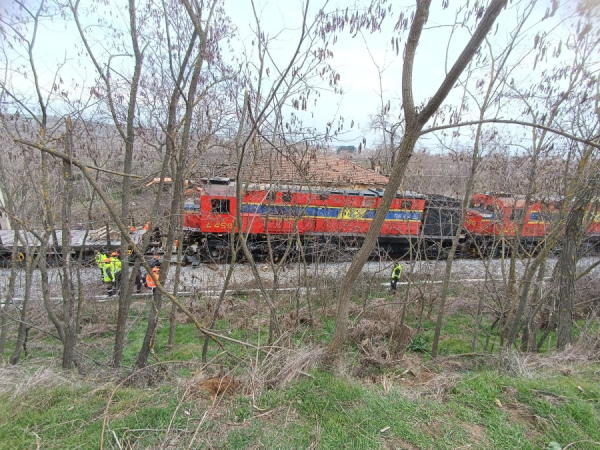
x: 393, y: 284
x: 110, y: 288
x: 114, y: 286
x: 138, y: 282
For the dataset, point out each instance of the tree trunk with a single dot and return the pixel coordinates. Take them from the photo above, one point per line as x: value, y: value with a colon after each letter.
x: 68, y: 289
x: 23, y: 326
x: 566, y: 274
x: 8, y: 300
x: 341, y: 321
x: 150, y: 336
x: 127, y: 283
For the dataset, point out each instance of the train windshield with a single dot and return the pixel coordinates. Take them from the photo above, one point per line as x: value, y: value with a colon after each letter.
x: 190, y: 206
x: 484, y: 213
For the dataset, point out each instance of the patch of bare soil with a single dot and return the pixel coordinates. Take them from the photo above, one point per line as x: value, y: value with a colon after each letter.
x: 433, y: 428
x: 395, y: 443
x: 477, y: 434
x: 215, y: 387
x: 523, y: 414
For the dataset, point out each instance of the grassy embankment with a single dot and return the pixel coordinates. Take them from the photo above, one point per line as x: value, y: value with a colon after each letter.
x: 458, y: 402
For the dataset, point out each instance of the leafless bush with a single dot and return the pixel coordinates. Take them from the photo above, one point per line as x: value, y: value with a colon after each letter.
x: 513, y: 362
x: 278, y: 369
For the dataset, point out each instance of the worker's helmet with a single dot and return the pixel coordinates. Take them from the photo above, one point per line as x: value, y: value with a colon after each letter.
x: 114, y: 254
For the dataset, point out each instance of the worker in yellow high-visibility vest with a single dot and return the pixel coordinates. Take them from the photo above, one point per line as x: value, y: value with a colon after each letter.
x: 396, y: 274
x: 99, y: 258
x: 108, y: 275
x: 116, y: 268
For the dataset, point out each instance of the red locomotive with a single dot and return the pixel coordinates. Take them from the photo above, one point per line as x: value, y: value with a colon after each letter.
x: 322, y: 218
x: 499, y: 218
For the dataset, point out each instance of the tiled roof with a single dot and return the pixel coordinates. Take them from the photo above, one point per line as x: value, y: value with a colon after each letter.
x: 316, y: 171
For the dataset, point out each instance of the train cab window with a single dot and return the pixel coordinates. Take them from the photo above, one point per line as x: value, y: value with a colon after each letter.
x: 286, y: 197
x: 516, y: 214
x: 219, y: 206
x: 405, y: 205
x: 323, y: 196
x: 271, y: 196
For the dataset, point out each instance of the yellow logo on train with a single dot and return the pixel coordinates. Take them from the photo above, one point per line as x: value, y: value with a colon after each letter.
x: 352, y: 213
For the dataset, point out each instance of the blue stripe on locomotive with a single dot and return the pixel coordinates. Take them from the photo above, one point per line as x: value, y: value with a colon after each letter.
x: 325, y: 212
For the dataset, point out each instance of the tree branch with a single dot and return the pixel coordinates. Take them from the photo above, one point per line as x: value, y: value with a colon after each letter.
x: 68, y: 159
x: 516, y: 122
x: 490, y: 16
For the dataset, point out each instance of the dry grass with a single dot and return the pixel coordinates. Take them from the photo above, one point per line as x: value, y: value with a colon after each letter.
x: 585, y: 349
x: 18, y: 380
x: 283, y: 366
x: 424, y: 383
x: 513, y: 362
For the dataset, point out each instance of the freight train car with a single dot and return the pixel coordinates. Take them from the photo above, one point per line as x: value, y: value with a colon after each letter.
x: 84, y: 243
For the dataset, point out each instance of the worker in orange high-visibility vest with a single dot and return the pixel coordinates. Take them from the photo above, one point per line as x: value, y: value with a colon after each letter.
x: 150, y: 284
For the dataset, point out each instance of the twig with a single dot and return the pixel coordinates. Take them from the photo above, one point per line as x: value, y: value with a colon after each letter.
x: 198, y: 428
x: 306, y: 374
x: 116, y: 439
x: 579, y: 442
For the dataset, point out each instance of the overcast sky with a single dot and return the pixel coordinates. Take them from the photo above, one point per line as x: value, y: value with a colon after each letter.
x: 354, y: 57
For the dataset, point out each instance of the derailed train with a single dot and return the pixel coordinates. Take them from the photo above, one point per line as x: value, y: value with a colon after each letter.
x: 333, y: 222
x: 325, y: 221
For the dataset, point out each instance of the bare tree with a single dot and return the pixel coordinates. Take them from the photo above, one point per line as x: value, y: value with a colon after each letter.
x: 415, y: 119
x: 498, y: 71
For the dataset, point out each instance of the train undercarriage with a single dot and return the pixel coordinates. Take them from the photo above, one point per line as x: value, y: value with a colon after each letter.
x: 202, y: 248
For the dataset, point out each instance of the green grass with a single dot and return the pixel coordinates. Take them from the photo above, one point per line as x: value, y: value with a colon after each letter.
x: 325, y: 410
x: 328, y: 411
